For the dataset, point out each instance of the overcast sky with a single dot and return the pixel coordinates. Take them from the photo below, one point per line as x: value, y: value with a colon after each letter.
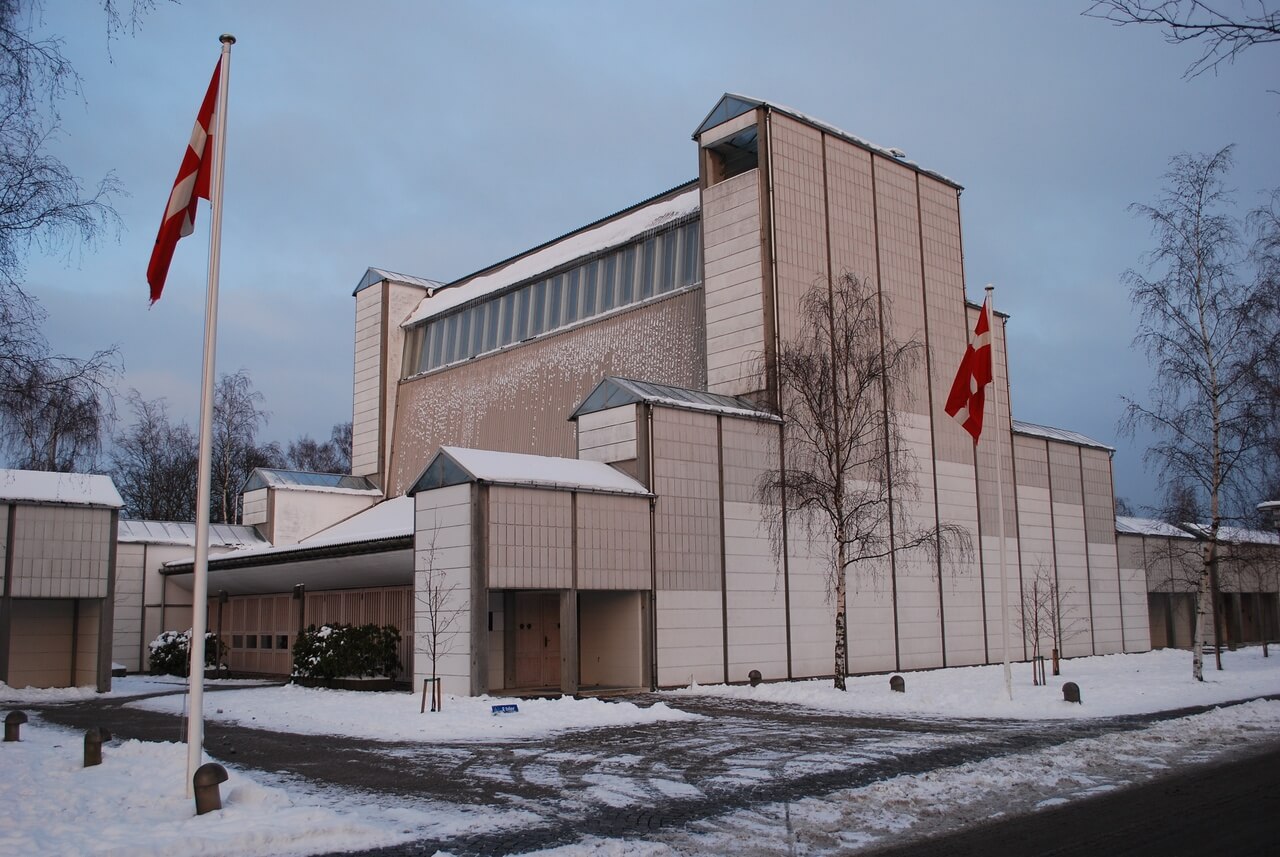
x: 436, y: 138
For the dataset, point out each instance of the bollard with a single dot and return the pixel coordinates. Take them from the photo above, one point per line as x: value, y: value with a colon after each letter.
x: 93, y: 739
x: 1071, y: 692
x: 206, y: 780
x: 755, y: 678
x: 12, y: 723
x: 897, y: 684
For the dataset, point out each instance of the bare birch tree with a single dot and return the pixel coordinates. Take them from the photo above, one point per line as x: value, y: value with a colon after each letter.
x: 846, y: 476
x: 237, y: 416
x: 154, y: 463
x: 437, y: 595
x: 1210, y: 324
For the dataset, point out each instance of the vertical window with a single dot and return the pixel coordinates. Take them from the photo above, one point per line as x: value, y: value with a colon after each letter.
x: 690, y: 238
x: 590, y: 295
x: 537, y: 317
x: 555, y: 302
x: 522, y: 314
x: 450, y: 350
x: 572, y: 290
x: 437, y: 343
x: 491, y: 325
x: 609, y: 282
x: 508, y: 316
x: 627, y: 276
x: 648, y: 268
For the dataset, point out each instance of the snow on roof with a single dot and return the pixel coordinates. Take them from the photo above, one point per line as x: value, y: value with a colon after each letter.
x: 183, y: 533
x: 1237, y: 535
x: 543, y: 471
x: 1148, y: 527
x: 612, y: 391
x: 387, y: 520
x: 79, y: 489
x: 603, y: 235
x: 1034, y: 430
x: 306, y: 480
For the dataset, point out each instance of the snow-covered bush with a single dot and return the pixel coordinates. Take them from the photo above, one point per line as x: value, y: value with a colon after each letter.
x: 171, y: 652
x: 347, y: 651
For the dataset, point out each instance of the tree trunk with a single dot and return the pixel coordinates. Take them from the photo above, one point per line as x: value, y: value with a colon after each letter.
x: 842, y: 630
x: 1203, y: 606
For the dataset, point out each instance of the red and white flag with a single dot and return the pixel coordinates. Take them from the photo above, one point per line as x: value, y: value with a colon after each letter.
x: 969, y: 390
x: 191, y: 186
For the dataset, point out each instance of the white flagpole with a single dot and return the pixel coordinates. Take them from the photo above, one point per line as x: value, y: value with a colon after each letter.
x: 999, y: 432
x: 200, y: 581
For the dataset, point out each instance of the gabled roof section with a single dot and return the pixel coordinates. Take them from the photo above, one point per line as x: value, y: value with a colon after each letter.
x: 271, y: 477
x: 732, y: 105
x: 1034, y: 430
x: 612, y: 392
x: 183, y: 534
x: 679, y: 204
x: 373, y: 276
x: 729, y: 106
x: 73, y: 489
x: 455, y: 465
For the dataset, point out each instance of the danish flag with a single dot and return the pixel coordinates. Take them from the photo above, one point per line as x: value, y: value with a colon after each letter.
x: 969, y: 390
x: 191, y: 186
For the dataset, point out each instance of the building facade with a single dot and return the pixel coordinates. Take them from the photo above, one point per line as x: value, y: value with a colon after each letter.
x: 644, y: 345
x: 58, y: 537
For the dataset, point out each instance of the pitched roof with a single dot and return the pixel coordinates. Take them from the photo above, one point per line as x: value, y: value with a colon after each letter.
x: 613, y: 391
x: 1127, y: 525
x: 1034, y: 430
x: 184, y: 533
x: 272, y: 477
x: 455, y: 465
x: 373, y: 276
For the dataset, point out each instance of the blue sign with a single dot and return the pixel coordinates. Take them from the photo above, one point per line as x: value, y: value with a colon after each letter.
x: 509, y: 708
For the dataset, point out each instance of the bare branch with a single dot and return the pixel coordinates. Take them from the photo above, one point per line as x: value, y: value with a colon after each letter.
x: 1222, y: 36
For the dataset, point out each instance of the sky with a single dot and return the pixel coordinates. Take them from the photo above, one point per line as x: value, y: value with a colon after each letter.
x: 134, y: 803
x: 434, y: 139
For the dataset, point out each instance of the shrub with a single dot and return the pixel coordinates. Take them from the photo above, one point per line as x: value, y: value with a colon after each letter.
x: 340, y: 651
x: 171, y: 652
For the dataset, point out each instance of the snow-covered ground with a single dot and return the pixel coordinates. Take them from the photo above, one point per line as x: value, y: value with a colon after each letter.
x: 134, y: 802
x: 1110, y: 685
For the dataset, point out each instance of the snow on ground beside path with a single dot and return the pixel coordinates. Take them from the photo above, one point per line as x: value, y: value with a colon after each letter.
x: 134, y: 804
x: 928, y: 804
x: 398, y: 717
x: 134, y: 685
x: 1109, y: 685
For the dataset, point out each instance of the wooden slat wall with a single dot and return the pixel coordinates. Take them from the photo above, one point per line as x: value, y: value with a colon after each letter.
x: 277, y: 615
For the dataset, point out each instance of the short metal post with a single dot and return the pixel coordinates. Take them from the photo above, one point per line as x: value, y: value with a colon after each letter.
x: 206, y: 781
x: 93, y: 740
x: 13, y: 724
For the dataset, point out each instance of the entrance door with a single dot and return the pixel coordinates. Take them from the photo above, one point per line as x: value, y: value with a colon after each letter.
x: 537, y: 639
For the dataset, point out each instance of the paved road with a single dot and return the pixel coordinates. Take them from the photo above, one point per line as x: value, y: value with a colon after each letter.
x: 1230, y: 808
x: 654, y: 781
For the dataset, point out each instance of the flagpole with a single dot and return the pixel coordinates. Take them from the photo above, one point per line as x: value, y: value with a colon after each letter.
x: 200, y: 581
x: 1004, y: 578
